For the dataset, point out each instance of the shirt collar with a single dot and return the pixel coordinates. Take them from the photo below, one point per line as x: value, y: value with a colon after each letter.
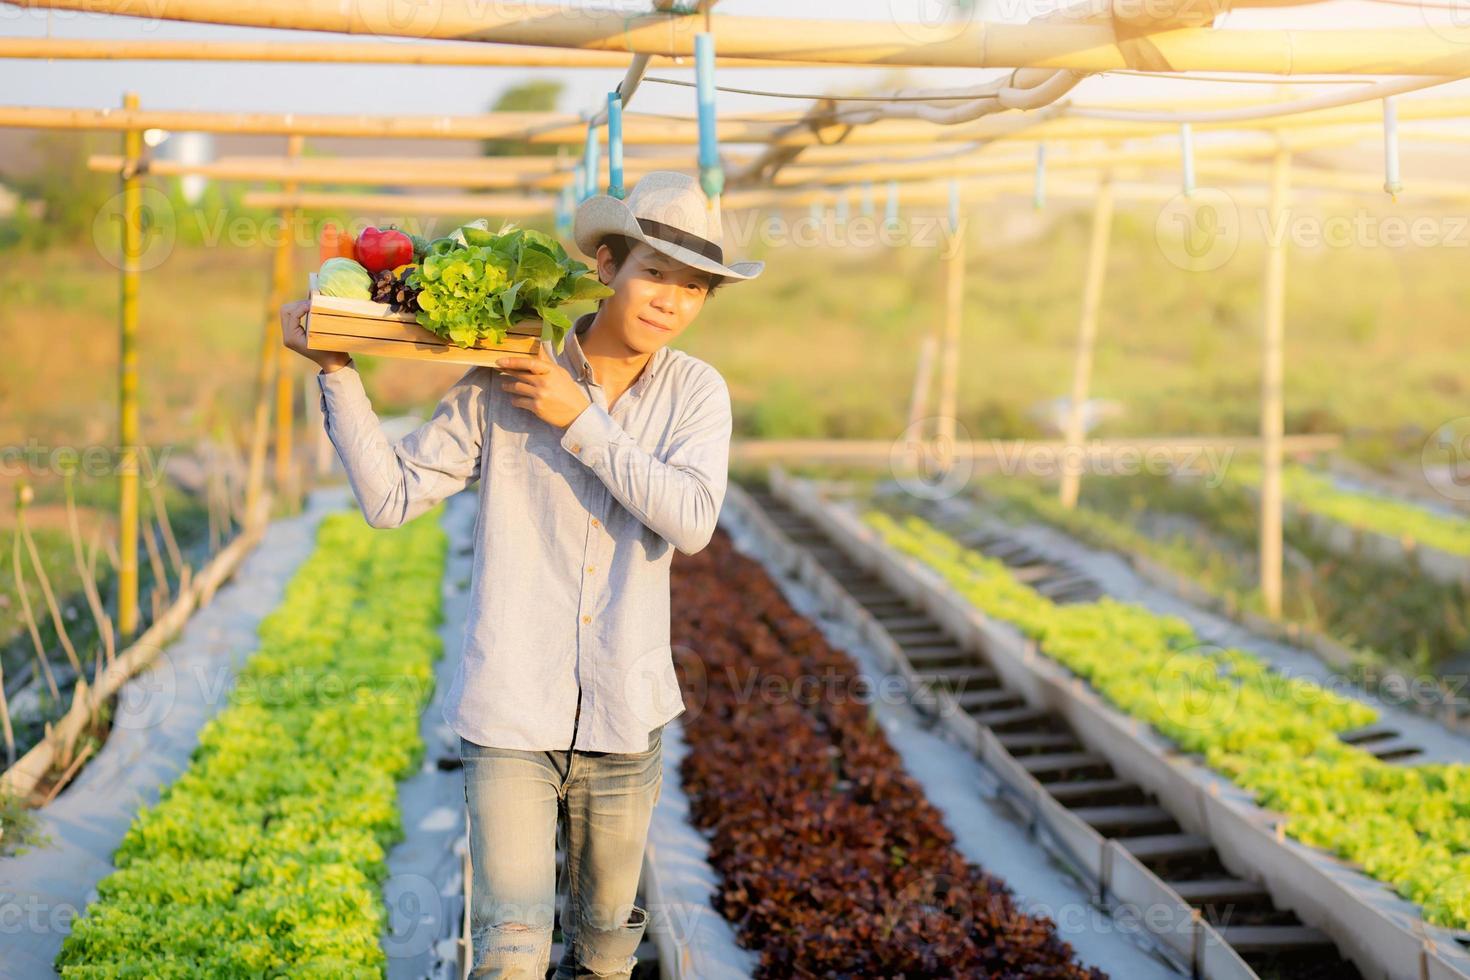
x: 582, y: 370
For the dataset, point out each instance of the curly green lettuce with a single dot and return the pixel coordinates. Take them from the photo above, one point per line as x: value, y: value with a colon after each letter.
x: 476, y: 283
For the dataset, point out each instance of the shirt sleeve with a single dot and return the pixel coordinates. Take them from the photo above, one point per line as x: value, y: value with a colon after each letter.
x: 396, y: 482
x: 678, y: 496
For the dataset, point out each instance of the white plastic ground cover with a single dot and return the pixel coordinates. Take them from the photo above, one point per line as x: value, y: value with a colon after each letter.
x: 424, y: 891
x: 975, y: 802
x: 1384, y: 935
x: 1171, y: 921
x: 694, y: 941
x: 155, y: 729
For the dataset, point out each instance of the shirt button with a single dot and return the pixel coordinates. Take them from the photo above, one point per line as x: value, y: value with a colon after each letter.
x: 576, y: 448
x: 594, y: 522
x: 586, y: 619
x: 591, y: 568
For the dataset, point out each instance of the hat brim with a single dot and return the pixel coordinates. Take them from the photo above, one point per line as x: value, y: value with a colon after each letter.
x: 603, y: 214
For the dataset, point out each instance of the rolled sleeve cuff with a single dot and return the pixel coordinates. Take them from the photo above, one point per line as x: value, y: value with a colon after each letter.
x: 589, y: 433
x: 340, y: 388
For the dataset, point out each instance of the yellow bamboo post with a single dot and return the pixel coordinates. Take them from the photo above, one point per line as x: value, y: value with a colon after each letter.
x: 1097, y: 268
x: 1272, y: 366
x: 949, y: 358
x: 285, y: 374
x: 128, y: 434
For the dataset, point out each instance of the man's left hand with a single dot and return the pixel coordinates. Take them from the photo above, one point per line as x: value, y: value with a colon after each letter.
x: 543, y: 386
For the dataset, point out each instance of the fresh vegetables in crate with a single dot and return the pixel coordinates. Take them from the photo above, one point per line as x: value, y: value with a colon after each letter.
x: 476, y: 283
x: 461, y: 298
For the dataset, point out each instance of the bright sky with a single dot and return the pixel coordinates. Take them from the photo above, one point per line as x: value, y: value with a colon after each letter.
x: 410, y: 89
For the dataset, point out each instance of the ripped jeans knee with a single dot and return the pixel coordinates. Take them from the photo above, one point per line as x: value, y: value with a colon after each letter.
x: 510, y: 950
x: 605, y: 952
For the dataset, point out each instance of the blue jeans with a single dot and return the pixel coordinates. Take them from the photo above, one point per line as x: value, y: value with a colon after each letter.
x: 521, y: 804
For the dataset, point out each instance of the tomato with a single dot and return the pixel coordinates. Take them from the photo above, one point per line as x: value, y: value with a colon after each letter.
x: 379, y: 250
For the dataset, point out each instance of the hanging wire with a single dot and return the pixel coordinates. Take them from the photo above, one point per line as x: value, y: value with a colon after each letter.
x: 954, y: 204
x: 1237, y: 79
x: 589, y: 162
x: 564, y: 211
x: 1273, y: 110
x: 865, y: 205
x: 615, y: 145
x: 820, y: 96
x: 890, y: 214
x: 711, y: 174
x: 1186, y: 150
x: 1391, y: 182
x: 842, y: 213
x: 1038, y: 192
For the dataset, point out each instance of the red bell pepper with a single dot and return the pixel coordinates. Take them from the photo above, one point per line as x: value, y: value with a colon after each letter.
x: 387, y: 249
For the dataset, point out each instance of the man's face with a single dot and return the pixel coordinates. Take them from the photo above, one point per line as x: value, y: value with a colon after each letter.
x: 655, y: 297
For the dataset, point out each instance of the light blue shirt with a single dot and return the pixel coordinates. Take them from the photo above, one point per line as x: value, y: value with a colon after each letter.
x: 568, y: 623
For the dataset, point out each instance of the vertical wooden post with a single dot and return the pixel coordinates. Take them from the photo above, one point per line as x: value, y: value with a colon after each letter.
x: 1097, y: 269
x: 285, y: 375
x: 949, y: 364
x: 919, y: 398
x: 127, y: 414
x: 1272, y: 409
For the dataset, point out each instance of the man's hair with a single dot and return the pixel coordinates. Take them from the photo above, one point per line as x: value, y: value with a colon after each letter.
x: 622, y: 247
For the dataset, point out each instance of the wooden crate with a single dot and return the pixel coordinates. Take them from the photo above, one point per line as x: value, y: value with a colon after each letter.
x: 359, y: 326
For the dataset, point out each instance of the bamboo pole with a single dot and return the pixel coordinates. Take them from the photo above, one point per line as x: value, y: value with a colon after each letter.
x: 1097, y: 268
x: 551, y: 174
x: 919, y: 397
x: 502, y: 205
x: 949, y: 364
x: 879, y: 451
x: 924, y: 194
x: 128, y: 434
x: 768, y: 129
x: 1272, y: 367
x: 535, y: 127
x: 281, y: 271
x: 489, y: 172
x: 1089, y: 47
x: 347, y: 52
x: 1001, y: 159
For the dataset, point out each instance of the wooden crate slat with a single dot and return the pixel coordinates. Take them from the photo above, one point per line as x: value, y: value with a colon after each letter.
x: 362, y: 327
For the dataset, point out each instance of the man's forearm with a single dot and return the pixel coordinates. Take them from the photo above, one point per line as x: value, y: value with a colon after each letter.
x: 396, y: 482
x: 680, y: 496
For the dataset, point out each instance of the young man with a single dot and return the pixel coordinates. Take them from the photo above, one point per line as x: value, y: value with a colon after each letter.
x: 594, y: 464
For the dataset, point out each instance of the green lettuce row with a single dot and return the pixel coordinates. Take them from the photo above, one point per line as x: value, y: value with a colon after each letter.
x: 1408, y: 826
x: 1363, y: 511
x: 267, y: 856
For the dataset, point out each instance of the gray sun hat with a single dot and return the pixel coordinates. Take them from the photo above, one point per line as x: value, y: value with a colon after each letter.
x: 668, y: 211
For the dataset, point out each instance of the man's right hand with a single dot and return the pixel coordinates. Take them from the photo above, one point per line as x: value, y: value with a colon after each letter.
x: 293, y: 335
